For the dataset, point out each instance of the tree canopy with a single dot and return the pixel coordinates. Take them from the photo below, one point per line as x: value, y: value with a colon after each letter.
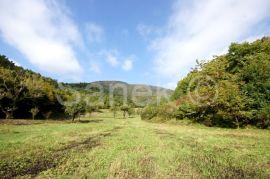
x: 231, y: 90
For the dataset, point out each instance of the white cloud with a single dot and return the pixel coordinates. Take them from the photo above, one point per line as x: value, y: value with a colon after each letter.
x: 198, y: 30
x: 94, y: 32
x: 112, y: 60
x: 43, y: 32
x: 111, y: 57
x: 127, y: 65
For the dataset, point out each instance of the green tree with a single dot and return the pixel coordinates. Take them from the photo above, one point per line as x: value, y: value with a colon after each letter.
x: 114, y: 110
x: 125, y: 109
x: 34, y: 111
x: 91, y: 108
x: 131, y: 111
x: 75, y: 109
x: 241, y: 80
x: 12, y: 91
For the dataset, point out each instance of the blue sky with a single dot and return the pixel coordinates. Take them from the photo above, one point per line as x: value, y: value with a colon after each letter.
x: 152, y: 42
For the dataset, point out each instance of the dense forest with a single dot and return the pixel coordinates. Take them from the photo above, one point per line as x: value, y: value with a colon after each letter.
x: 231, y: 90
x: 25, y: 93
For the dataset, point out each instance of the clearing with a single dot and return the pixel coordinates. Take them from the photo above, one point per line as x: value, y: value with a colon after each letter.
x: 104, y: 147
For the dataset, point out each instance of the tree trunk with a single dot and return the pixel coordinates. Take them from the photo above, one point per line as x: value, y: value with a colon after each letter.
x: 237, y: 123
x: 9, y: 114
x: 73, y: 117
x: 124, y: 114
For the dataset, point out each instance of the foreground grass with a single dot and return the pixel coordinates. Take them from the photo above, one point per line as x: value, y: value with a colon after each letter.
x: 103, y: 147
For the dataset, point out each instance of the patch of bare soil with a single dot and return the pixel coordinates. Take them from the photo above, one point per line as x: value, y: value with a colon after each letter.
x: 20, y: 122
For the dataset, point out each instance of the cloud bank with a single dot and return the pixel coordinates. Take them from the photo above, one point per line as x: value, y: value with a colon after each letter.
x: 43, y: 32
x: 199, y: 29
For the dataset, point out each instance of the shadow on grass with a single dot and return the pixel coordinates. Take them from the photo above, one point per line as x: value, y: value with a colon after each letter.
x: 89, y: 121
x: 32, y: 166
x: 20, y: 122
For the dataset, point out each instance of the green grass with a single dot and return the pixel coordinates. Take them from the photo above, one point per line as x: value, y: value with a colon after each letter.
x: 103, y: 147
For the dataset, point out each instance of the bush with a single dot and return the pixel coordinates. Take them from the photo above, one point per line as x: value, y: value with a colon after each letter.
x: 161, y: 112
x: 149, y: 112
x: 264, y: 117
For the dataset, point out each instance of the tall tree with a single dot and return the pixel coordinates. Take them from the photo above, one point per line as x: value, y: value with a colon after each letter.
x: 12, y: 90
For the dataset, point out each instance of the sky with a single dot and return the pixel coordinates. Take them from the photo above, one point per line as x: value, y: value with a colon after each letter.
x: 153, y: 42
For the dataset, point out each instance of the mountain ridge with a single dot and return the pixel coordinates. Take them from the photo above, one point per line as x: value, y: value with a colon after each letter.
x: 107, y: 83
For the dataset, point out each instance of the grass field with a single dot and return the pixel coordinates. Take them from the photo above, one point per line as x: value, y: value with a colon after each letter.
x: 103, y: 147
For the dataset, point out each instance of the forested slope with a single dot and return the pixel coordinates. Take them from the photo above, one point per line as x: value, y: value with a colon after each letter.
x: 231, y: 90
x: 23, y: 91
x: 25, y: 94
x: 120, y: 90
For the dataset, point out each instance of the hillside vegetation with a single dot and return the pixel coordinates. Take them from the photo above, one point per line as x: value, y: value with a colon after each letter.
x: 231, y: 90
x: 108, y: 85
x: 23, y: 91
x: 107, y: 138
x: 124, y: 91
x: 25, y: 94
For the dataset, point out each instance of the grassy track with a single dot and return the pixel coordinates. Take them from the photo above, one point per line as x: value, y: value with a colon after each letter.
x: 103, y: 147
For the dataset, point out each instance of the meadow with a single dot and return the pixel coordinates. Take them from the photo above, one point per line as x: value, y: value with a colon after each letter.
x: 103, y: 147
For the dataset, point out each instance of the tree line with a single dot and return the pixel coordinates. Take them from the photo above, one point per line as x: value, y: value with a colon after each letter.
x: 231, y: 90
x: 25, y: 94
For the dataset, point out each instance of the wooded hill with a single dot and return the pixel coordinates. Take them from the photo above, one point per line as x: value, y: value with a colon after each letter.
x: 23, y: 91
x: 26, y: 94
x: 231, y: 90
x: 150, y: 94
x: 106, y: 85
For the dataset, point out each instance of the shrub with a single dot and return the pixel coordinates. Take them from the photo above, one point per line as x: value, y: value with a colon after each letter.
x: 161, y: 112
x: 264, y: 117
